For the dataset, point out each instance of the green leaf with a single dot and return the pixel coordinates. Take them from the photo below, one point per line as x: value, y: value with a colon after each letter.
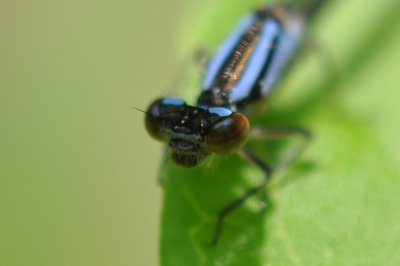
x: 338, y: 204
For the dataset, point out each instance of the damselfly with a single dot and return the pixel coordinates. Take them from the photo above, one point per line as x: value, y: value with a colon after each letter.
x: 238, y: 80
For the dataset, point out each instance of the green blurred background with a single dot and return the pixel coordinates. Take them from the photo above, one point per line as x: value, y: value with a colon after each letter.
x: 78, y: 172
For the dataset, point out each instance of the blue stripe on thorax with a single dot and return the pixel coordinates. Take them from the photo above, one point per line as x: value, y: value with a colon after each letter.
x: 285, y: 38
x: 226, y: 49
x: 261, y: 52
x: 288, y: 43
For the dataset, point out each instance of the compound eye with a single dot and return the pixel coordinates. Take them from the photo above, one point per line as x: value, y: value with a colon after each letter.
x: 229, y: 134
x: 153, y: 121
x: 157, y: 116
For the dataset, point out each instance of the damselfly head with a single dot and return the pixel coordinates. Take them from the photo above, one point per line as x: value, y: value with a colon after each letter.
x: 193, y: 132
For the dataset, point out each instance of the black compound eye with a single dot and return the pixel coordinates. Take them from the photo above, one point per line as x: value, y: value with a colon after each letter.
x: 157, y: 116
x: 229, y: 134
x: 153, y: 121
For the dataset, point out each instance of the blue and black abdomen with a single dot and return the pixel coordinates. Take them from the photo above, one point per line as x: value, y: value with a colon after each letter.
x: 251, y: 60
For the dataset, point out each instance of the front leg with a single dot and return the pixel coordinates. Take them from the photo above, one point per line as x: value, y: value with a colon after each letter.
x: 248, y: 155
x: 251, y: 157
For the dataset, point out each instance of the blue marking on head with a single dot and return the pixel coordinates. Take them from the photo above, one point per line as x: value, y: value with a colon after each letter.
x: 173, y: 101
x: 221, y: 111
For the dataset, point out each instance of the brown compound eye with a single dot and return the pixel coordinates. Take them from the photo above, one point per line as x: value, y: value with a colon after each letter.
x: 229, y: 134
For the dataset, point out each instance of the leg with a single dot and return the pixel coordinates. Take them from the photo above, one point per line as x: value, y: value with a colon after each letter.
x: 279, y: 133
x: 162, y: 170
x: 260, y: 133
x: 249, y: 156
